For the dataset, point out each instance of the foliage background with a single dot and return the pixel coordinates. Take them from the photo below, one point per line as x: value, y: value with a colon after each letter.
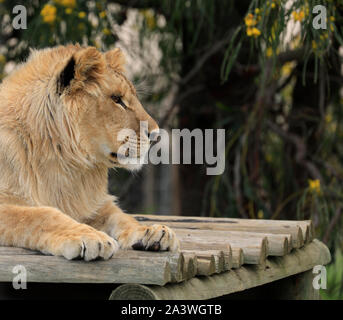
x: 255, y: 68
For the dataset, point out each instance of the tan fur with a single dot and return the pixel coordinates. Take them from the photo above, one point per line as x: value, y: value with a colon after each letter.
x: 56, y: 144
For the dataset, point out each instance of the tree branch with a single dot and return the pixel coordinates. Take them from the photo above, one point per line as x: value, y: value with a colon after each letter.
x: 332, y: 224
x: 300, y: 156
x: 201, y: 61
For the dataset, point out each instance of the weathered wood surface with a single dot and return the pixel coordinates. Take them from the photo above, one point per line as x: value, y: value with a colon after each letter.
x: 206, y: 266
x: 277, y: 244
x: 298, y: 261
x: 124, y: 267
x: 216, y: 255
x: 209, y: 246
x: 237, y: 258
x: 254, y: 250
x: 301, y: 231
x: 190, y: 267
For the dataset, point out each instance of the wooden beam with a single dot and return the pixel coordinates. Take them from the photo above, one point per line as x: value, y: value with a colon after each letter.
x: 297, y: 229
x: 217, y: 255
x: 277, y: 244
x: 210, y: 246
x: 125, y: 267
x: 246, y: 277
x: 254, y: 250
x: 190, y: 265
x: 237, y: 258
x: 206, y: 266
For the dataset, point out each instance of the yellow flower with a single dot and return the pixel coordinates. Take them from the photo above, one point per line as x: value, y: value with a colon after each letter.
x: 68, y: 10
x: 250, y: 21
x: 314, y: 185
x: 102, y: 14
x: 298, y: 16
x: 269, y: 52
x: 82, y: 14
x: 106, y: 31
x: 66, y: 3
x: 301, y: 15
x: 273, y: 5
x: 253, y: 32
x: 256, y: 32
x: 286, y: 69
x: 323, y: 36
x: 2, y: 57
x: 48, y: 13
x: 257, y: 10
x: 149, y: 18
x: 314, y: 45
x: 260, y: 214
x: 332, y: 18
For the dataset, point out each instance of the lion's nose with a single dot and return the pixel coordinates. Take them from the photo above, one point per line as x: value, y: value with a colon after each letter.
x: 153, y: 134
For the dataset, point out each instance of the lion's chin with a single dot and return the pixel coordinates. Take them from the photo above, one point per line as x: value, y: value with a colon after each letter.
x: 131, y: 165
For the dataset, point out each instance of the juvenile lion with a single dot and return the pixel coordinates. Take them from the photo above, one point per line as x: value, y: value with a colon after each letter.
x: 60, y: 114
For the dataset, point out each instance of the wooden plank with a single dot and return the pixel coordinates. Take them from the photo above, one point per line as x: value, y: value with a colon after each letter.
x: 190, y: 265
x: 297, y: 229
x: 254, y: 250
x: 7, y: 251
x: 206, y: 266
x: 277, y: 244
x: 246, y: 277
x: 205, y: 246
x: 175, y: 260
x: 124, y: 267
x: 217, y: 255
x: 237, y: 258
x: 227, y: 260
x: 307, y: 225
x: 256, y: 222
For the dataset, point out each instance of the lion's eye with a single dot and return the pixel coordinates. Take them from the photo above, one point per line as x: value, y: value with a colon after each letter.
x: 117, y: 99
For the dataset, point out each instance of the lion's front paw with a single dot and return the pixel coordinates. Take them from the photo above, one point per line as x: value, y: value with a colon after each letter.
x: 88, y: 246
x: 152, y: 238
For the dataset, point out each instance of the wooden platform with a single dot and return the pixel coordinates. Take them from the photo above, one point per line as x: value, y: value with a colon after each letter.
x: 218, y: 256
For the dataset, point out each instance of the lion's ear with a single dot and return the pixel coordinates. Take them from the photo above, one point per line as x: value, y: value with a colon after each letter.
x: 115, y: 59
x: 89, y: 64
x: 67, y: 74
x: 85, y: 67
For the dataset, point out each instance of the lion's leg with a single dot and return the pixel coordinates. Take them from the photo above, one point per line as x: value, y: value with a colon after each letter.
x: 52, y: 232
x: 130, y: 233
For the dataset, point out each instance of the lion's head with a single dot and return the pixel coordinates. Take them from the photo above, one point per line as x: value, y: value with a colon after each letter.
x: 80, y: 101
